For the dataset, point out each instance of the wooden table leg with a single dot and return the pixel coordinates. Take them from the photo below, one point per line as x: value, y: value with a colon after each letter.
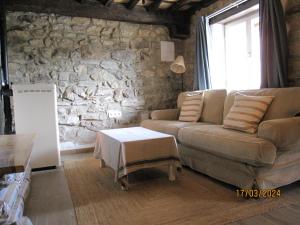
x: 172, y: 173
x: 124, y: 183
x: 102, y: 163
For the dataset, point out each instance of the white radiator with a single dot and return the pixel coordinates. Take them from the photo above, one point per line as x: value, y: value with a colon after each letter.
x: 35, y: 111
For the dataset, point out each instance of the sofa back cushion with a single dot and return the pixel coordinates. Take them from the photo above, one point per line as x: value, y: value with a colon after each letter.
x: 191, y: 108
x: 213, y: 105
x: 286, y: 101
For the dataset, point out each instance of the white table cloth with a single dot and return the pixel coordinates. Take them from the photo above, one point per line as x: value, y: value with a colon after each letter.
x: 126, y: 150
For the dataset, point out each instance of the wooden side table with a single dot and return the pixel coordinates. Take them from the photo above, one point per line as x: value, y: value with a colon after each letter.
x: 15, y: 170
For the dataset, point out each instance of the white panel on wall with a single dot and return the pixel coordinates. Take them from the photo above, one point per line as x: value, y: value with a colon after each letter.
x: 167, y: 49
x: 35, y: 111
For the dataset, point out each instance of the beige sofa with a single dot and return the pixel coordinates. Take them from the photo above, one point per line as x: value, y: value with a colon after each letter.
x: 268, y: 159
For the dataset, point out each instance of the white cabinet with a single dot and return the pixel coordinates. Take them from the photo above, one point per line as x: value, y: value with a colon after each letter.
x: 35, y: 111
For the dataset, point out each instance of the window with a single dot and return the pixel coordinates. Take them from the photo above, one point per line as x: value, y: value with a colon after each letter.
x: 235, y: 52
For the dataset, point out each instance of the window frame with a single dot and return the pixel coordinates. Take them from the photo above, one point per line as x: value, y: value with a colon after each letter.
x: 246, y: 16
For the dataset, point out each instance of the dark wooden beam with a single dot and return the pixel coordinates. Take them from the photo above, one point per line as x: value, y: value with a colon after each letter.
x: 116, y: 12
x: 132, y: 3
x: 293, y: 10
x: 154, y: 6
x: 199, y: 5
x: 177, y: 5
x: 107, y: 3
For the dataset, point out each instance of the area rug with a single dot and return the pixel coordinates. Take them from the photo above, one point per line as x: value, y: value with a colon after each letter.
x: 153, y: 200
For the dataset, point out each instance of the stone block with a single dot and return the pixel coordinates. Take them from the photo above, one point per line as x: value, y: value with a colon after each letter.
x: 99, y: 22
x: 90, y: 116
x: 81, y: 103
x: 85, y: 136
x: 110, y: 65
x: 81, y: 20
x: 128, y: 93
x: 55, y: 34
x: 38, y: 33
x: 124, y: 56
x: 104, y: 91
x: 69, y: 120
x: 64, y: 19
x: 79, y: 29
x: 80, y: 69
x: 133, y: 102
x: 61, y: 111
x: 68, y: 133
x: 47, y: 42
x: 96, y: 108
x: 36, y: 43
x: 118, y: 95
x: 70, y: 35
x: 106, y: 76
x: 93, y: 30
x: 63, y: 103
x: 87, y: 84
x: 61, y: 53
x: 66, y: 43
x: 63, y: 76
x: 139, y: 43
x: 98, y: 125
x: 68, y: 94
x: 77, y: 110
x: 128, y: 29
x: 13, y: 67
x: 58, y: 27
x: 114, y: 106
x: 108, y: 44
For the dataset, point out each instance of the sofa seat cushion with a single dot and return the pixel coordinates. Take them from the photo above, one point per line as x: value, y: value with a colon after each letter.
x: 230, y: 144
x: 166, y: 126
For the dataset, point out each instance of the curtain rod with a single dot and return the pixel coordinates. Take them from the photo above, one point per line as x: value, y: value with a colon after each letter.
x: 230, y: 6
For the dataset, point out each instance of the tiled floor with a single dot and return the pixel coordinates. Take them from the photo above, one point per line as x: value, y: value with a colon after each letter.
x: 50, y: 202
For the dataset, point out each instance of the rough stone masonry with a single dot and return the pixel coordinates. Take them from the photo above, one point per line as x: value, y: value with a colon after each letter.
x: 101, y: 68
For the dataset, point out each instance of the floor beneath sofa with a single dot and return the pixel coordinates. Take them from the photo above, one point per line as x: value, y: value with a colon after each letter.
x: 50, y: 201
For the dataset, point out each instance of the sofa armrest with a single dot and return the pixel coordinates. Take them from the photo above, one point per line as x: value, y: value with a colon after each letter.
x: 283, y: 133
x: 165, y: 114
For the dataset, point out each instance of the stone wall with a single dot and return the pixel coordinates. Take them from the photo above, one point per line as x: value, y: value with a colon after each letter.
x: 294, y: 42
x: 100, y: 68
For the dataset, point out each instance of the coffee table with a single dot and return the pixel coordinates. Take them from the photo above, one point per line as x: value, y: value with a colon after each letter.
x: 126, y: 150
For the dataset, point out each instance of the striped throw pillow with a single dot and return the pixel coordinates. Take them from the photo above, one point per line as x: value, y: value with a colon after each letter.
x: 247, y: 112
x: 191, y: 107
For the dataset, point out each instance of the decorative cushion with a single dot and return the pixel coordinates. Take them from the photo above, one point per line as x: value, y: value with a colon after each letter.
x: 191, y: 108
x: 247, y: 112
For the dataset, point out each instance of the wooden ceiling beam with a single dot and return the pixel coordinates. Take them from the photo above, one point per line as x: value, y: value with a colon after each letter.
x: 199, y: 5
x: 154, y: 6
x: 131, y: 4
x: 293, y: 10
x: 107, y: 3
x: 176, y: 22
x: 116, y: 12
x: 177, y: 5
